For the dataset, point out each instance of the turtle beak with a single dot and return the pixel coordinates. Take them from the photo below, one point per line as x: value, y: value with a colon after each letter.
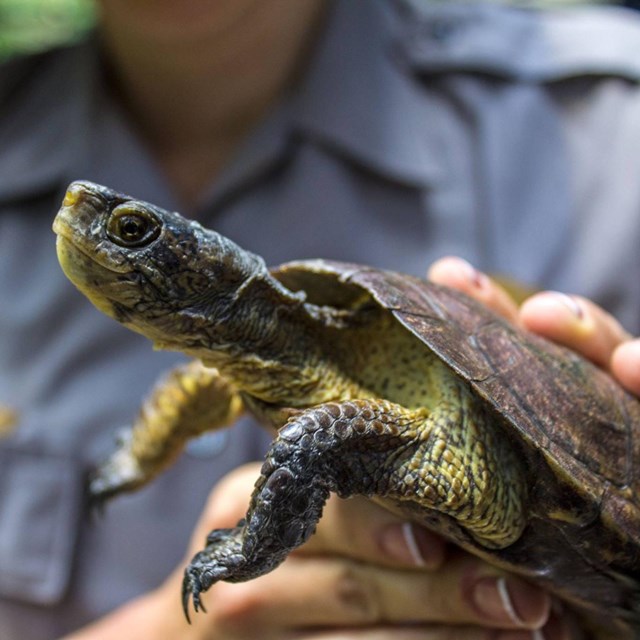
x: 81, y: 222
x: 73, y: 194
x: 84, y: 255
x: 77, y: 212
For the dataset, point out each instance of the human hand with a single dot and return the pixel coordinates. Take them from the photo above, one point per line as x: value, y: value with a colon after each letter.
x: 570, y: 320
x: 364, y: 574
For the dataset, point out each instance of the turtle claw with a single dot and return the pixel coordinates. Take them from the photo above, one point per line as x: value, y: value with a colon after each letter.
x: 186, y: 595
x: 199, y: 576
x: 191, y: 589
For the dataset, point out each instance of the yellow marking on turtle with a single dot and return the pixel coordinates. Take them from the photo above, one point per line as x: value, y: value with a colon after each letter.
x: 71, y: 198
x: 9, y: 419
x: 75, y: 263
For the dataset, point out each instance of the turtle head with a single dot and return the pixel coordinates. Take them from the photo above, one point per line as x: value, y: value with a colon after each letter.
x: 152, y: 270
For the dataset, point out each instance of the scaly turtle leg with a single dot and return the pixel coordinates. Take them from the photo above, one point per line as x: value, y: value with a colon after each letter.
x: 190, y: 400
x: 444, y: 460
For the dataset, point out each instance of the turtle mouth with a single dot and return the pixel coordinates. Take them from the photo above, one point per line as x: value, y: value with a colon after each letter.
x: 76, y: 262
x: 83, y: 271
x: 70, y: 245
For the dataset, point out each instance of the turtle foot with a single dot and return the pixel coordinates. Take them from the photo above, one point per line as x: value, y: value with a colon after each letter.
x: 119, y: 473
x: 221, y: 559
x: 279, y: 519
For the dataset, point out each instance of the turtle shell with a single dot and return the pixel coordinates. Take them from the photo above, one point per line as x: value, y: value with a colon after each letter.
x: 577, y: 428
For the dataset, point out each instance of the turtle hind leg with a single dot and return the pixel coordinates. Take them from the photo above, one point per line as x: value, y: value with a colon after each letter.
x: 339, y: 447
x: 465, y: 478
x: 188, y: 401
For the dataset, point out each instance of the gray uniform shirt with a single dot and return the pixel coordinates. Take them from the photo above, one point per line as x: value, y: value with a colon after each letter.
x: 509, y: 137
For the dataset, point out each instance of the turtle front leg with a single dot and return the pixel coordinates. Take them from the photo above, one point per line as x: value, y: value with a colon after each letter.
x: 449, y: 467
x: 188, y: 401
x: 339, y: 447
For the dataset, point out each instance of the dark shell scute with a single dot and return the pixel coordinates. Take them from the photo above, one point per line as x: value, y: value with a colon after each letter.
x: 291, y: 431
x: 569, y: 402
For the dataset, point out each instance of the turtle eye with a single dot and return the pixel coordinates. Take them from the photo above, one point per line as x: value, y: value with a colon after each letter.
x: 129, y: 227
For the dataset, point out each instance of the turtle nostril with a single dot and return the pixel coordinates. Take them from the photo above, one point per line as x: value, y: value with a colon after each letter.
x: 71, y: 197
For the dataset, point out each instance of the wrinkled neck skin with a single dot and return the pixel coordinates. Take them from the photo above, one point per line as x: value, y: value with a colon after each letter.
x: 267, y: 335
x: 257, y: 336
x: 269, y: 346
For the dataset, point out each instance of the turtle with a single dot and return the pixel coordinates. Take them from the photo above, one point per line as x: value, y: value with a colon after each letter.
x: 378, y: 384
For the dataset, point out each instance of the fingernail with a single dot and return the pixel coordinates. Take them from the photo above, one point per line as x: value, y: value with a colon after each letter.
x: 412, y: 545
x: 570, y: 302
x: 477, y: 278
x: 512, y: 601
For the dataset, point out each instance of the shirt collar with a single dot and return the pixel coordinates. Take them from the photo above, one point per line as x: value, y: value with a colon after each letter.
x: 358, y: 101
x: 350, y: 70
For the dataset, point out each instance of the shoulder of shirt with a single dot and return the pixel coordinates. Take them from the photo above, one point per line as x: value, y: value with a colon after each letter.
x: 544, y: 45
x: 20, y: 73
x: 17, y: 71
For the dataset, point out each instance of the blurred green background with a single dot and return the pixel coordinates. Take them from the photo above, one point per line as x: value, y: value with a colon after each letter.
x: 31, y: 25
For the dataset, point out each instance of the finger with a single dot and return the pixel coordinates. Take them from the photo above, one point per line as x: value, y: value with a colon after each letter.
x: 459, y: 274
x: 360, y: 529
x: 574, y: 322
x: 625, y: 364
x: 312, y: 592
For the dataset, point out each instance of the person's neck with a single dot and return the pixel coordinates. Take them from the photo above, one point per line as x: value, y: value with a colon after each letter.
x: 193, y: 101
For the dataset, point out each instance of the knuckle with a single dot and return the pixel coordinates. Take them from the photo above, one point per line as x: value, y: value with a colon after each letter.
x: 356, y: 594
x: 237, y: 608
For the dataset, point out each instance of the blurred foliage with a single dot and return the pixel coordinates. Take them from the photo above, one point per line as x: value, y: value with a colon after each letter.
x: 31, y: 25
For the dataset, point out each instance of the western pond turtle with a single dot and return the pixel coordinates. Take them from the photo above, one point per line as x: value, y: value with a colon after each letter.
x: 379, y: 384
